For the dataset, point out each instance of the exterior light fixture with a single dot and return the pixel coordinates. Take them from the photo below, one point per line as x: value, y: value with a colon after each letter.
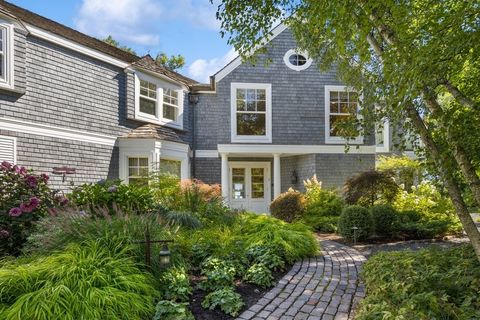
x: 165, y: 255
x: 294, y: 177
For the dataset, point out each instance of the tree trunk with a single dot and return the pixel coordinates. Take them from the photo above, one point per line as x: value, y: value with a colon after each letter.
x: 459, y: 96
x: 461, y: 157
x: 452, y: 187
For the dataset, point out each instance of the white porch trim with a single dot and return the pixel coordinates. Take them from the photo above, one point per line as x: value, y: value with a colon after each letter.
x: 269, y: 150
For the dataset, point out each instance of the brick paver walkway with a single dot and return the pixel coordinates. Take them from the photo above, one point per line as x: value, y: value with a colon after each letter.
x: 324, y: 287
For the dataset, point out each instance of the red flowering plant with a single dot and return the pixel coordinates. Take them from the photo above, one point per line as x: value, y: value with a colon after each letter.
x: 24, y: 198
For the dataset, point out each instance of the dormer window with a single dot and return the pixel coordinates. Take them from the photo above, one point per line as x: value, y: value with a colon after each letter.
x: 158, y: 101
x: 6, y: 54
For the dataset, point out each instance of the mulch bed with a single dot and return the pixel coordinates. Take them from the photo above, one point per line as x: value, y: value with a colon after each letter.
x: 250, y: 295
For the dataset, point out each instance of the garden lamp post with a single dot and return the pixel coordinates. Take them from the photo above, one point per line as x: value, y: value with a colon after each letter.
x: 355, y: 235
x: 164, y: 253
x: 165, y: 256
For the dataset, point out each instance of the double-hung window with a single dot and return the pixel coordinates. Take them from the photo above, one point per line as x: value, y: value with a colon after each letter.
x: 251, y: 112
x: 6, y: 54
x: 341, y: 107
x: 138, y: 170
x: 158, y: 101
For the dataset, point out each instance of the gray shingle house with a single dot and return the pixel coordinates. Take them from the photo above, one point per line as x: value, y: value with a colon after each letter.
x: 71, y: 101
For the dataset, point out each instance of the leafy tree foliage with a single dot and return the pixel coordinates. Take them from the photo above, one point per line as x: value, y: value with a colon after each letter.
x: 416, y: 60
x: 117, y: 44
x: 174, y: 62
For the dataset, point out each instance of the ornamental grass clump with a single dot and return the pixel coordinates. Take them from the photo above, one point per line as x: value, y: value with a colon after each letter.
x: 25, y: 197
x: 89, y: 280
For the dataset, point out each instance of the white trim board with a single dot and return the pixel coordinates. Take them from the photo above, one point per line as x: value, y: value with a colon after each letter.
x: 291, y: 149
x: 206, y: 154
x: 55, y: 132
x: 51, y: 37
x: 232, y: 65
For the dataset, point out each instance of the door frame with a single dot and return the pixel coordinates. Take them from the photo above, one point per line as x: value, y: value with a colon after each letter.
x: 248, y: 185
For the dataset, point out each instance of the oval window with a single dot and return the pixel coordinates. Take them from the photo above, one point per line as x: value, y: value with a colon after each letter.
x: 296, y: 60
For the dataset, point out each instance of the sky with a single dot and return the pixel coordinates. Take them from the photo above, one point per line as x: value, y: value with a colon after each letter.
x: 186, y: 27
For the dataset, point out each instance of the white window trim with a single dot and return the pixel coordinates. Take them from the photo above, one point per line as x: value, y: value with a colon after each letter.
x: 161, y: 84
x: 14, y: 140
x: 338, y: 140
x: 8, y: 82
x: 385, y: 147
x: 267, y: 138
x: 286, y: 59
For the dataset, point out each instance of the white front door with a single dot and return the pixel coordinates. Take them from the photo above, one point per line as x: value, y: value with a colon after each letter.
x: 250, y: 186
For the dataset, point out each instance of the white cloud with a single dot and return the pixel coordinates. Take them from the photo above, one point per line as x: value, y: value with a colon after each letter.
x: 125, y: 20
x: 200, y: 13
x: 202, y: 69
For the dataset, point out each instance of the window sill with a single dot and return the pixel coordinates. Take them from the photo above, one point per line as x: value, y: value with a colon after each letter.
x: 162, y: 122
x: 251, y: 139
x: 330, y: 140
x: 7, y: 89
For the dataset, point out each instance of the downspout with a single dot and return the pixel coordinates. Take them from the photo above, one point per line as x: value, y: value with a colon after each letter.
x: 193, y: 100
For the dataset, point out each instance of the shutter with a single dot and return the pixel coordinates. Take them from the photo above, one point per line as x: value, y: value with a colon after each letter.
x: 7, y: 149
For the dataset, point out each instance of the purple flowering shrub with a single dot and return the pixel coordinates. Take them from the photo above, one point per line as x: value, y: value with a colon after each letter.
x: 112, y: 195
x: 25, y: 197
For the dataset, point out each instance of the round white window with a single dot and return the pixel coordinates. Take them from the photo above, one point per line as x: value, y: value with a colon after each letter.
x: 297, y: 60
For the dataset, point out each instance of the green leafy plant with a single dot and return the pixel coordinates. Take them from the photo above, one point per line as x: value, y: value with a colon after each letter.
x: 89, y: 280
x: 231, y: 265
x: 217, y: 279
x: 24, y: 198
x: 293, y: 240
x: 369, y: 187
x: 405, y: 169
x: 427, y: 284
x: 169, y: 310
x: 113, y: 195
x: 266, y: 255
x: 288, y: 206
x: 321, y: 223
x: 355, y: 216
x: 175, y: 285
x: 260, y: 275
x: 385, y: 220
x: 226, y: 299
x: 319, y: 201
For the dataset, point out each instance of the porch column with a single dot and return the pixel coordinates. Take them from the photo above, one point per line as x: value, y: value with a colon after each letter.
x: 276, y: 175
x: 225, y: 179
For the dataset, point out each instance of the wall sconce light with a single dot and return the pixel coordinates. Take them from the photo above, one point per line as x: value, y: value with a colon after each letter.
x: 294, y: 177
x: 193, y: 98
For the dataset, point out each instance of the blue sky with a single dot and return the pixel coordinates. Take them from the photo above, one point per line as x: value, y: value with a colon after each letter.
x: 186, y: 27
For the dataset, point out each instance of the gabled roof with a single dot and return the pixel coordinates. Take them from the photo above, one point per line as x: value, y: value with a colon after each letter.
x: 149, y: 64
x: 31, y: 18
x: 151, y: 131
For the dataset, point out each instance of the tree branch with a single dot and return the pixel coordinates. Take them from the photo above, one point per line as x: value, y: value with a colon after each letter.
x: 459, y: 96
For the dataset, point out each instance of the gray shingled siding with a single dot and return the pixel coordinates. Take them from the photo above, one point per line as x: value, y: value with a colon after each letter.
x: 209, y: 170
x: 334, y: 169
x: 66, y: 89
x: 298, y: 101
x: 91, y: 161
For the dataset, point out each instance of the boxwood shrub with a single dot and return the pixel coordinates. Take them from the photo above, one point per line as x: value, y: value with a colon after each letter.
x: 355, y: 216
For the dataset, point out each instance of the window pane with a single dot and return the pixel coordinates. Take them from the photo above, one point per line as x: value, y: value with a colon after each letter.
x: 344, y: 107
x: 2, y: 70
x: 138, y: 181
x: 251, y: 105
x: 334, y: 107
x: 240, y: 93
x: 261, y: 106
x: 250, y: 94
x: 172, y: 167
x: 251, y: 124
x: 143, y: 162
x: 260, y: 94
x: 133, y: 171
x: 343, y: 96
x: 169, y: 112
x: 132, y: 162
x: 147, y: 106
x: 241, y: 105
x: 334, y: 96
x: 238, y: 183
x: 335, y: 122
x: 258, y: 183
x: 353, y: 97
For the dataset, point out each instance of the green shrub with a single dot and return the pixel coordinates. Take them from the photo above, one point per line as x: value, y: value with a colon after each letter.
x: 321, y: 223
x: 226, y: 299
x: 288, y: 206
x: 169, y: 310
x: 266, y: 255
x: 217, y: 279
x: 355, y: 216
x: 90, y: 280
x: 427, y: 284
x: 321, y: 202
x: 385, y: 220
x: 175, y: 285
x: 370, y: 187
x: 24, y: 198
x: 230, y: 265
x: 294, y: 241
x: 113, y: 195
x: 405, y: 169
x: 260, y: 275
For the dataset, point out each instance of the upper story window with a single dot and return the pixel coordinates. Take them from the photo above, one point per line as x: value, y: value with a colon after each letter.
x: 158, y: 101
x: 251, y: 112
x: 341, y: 105
x: 297, y: 60
x: 6, y: 54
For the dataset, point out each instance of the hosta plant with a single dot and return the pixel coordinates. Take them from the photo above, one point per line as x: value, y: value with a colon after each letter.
x: 260, y: 275
x: 175, y: 285
x: 169, y: 310
x: 226, y: 299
